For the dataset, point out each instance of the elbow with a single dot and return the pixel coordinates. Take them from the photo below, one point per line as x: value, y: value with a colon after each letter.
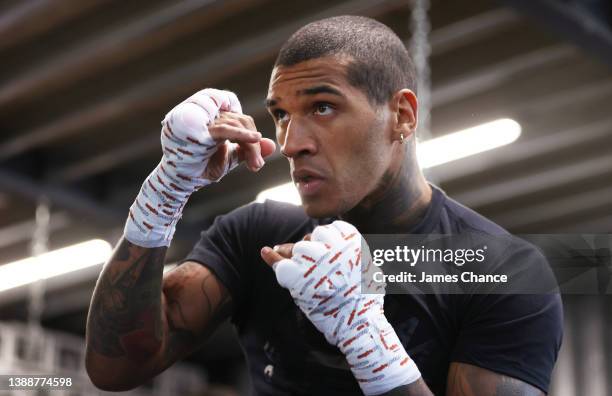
x: 108, y: 376
x: 108, y: 386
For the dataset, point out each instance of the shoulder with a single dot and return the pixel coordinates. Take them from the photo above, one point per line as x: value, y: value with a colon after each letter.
x: 467, y: 219
x: 448, y: 216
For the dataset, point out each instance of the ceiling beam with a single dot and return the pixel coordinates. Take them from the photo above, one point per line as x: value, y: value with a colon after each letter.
x: 116, y: 47
x: 572, y: 97
x: 126, y: 152
x: 206, y: 71
x: 456, y: 88
x: 61, y: 197
x: 536, y: 181
x: 572, y: 19
x: 524, y: 150
x: 492, y: 76
x: 35, y: 17
x: 23, y: 231
x: 556, y: 209
x: 471, y: 30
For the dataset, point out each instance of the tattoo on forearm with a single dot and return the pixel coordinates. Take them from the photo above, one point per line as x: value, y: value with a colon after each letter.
x: 125, y: 315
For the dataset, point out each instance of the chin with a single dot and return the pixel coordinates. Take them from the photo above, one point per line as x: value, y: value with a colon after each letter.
x: 320, y: 208
x: 316, y: 212
x: 324, y: 207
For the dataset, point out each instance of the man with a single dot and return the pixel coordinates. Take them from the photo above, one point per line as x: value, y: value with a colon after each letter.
x: 343, y: 101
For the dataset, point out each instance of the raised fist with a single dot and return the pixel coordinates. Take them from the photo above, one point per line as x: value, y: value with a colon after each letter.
x: 206, y: 136
x: 324, y: 277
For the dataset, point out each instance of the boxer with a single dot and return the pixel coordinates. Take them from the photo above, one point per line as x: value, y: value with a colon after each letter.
x: 343, y: 99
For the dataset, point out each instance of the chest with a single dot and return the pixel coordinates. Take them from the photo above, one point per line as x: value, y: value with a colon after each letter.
x: 277, y: 334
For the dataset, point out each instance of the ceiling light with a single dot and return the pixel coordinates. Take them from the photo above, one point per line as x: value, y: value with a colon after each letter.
x: 432, y: 152
x: 467, y: 142
x: 54, y: 263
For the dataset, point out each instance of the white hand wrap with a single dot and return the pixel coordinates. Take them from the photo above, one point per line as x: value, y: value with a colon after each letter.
x: 187, y: 148
x: 324, y: 278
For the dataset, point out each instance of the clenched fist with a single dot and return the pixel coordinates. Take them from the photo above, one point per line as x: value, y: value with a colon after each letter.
x: 324, y: 275
x: 203, y: 138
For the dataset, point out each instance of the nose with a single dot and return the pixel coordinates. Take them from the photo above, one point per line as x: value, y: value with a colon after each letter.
x: 298, y: 141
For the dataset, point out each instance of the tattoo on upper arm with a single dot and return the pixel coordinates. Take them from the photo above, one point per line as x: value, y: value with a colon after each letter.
x: 125, y: 315
x: 216, y: 297
x: 468, y: 380
x: 216, y: 308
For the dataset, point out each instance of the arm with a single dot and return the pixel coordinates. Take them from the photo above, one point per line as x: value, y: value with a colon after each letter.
x: 140, y: 323
x: 468, y: 380
x: 417, y: 388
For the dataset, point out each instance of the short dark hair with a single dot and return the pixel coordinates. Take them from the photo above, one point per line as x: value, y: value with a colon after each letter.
x: 380, y: 63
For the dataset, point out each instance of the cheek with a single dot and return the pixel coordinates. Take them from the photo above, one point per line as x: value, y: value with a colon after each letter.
x: 364, y: 160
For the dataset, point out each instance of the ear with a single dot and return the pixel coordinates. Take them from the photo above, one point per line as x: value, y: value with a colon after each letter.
x: 404, y: 105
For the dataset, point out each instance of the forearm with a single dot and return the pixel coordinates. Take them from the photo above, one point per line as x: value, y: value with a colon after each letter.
x: 125, y: 318
x: 417, y: 388
x: 140, y: 320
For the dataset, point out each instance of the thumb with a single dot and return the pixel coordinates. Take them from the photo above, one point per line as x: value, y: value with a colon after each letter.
x: 287, y: 271
x: 267, y: 147
x: 270, y: 256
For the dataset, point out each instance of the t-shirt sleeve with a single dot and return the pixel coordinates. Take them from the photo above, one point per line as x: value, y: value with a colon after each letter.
x: 226, y: 248
x: 518, y: 335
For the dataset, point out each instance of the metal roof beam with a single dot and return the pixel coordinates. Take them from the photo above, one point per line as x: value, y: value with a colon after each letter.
x: 470, y: 30
x: 574, y: 21
x: 116, y: 47
x: 523, y: 150
x: 205, y: 71
x: 535, y: 182
x: 61, y: 197
x: 33, y: 18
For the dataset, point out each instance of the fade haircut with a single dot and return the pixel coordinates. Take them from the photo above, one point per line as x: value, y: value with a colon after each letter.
x: 379, y: 62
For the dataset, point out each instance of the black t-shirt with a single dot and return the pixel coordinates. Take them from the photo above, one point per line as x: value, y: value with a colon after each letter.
x: 518, y: 335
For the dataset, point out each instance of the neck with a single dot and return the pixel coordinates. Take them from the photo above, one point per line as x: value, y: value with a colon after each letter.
x: 400, y: 202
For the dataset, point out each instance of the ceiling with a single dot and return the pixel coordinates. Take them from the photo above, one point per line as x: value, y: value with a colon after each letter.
x: 84, y: 85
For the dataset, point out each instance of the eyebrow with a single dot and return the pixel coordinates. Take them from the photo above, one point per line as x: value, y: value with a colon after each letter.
x: 308, y: 91
x: 269, y: 103
x: 320, y: 89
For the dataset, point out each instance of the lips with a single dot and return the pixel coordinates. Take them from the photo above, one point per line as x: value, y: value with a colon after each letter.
x: 308, y: 181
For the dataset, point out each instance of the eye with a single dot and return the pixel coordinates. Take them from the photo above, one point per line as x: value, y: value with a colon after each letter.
x: 323, y: 108
x: 279, y: 115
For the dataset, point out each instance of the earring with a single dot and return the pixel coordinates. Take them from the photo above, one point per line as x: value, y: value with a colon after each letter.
x: 401, y: 137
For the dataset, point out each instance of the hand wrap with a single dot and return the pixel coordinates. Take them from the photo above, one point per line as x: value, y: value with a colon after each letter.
x: 187, y: 148
x: 324, y: 278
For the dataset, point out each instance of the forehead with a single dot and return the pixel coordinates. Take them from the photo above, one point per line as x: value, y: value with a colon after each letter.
x: 291, y: 80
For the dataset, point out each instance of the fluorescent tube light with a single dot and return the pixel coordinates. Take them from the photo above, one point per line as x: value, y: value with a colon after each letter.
x: 432, y: 152
x: 467, y: 142
x: 54, y: 263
